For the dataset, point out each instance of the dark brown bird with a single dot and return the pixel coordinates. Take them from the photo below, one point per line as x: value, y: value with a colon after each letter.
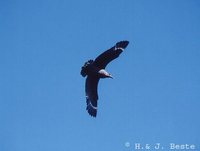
x: 94, y: 70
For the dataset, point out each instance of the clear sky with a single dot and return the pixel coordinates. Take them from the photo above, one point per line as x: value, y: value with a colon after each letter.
x: 154, y: 96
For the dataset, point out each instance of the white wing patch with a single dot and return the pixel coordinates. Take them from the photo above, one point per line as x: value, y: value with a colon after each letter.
x: 90, y: 104
x: 116, y: 48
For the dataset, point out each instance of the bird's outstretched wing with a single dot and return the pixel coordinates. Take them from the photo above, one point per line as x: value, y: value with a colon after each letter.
x: 91, y: 94
x: 103, y: 59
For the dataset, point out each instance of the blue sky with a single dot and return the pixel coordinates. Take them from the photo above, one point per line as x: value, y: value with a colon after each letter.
x: 154, y: 96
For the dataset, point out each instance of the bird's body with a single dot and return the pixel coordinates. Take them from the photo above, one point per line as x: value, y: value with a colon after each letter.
x: 95, y: 70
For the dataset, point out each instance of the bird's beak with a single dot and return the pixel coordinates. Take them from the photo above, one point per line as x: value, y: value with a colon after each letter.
x: 110, y: 77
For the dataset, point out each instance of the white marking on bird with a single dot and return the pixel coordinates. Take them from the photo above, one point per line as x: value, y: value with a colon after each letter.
x: 116, y: 48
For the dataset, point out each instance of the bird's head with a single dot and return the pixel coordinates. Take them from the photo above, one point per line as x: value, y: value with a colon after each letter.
x: 104, y: 74
x: 108, y: 75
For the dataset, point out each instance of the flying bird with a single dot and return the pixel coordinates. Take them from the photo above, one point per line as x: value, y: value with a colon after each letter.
x: 95, y: 70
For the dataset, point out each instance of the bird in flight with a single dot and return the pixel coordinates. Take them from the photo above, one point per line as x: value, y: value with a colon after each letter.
x: 95, y: 70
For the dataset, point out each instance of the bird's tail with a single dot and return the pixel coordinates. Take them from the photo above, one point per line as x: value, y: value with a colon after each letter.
x: 84, y: 69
